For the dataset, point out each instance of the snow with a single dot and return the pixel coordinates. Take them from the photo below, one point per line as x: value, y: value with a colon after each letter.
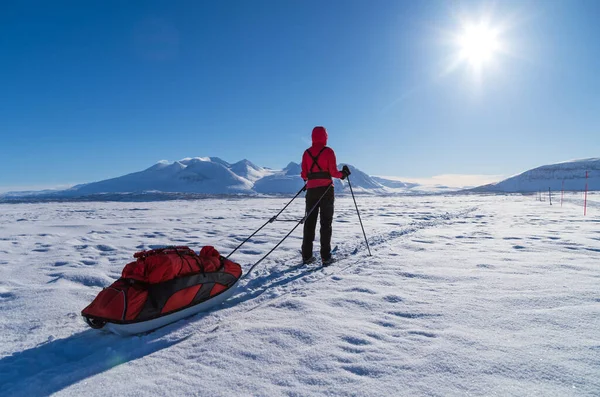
x: 464, y: 295
x: 396, y: 184
x: 250, y: 171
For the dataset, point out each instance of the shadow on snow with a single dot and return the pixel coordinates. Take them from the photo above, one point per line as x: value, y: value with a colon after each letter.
x: 55, y: 365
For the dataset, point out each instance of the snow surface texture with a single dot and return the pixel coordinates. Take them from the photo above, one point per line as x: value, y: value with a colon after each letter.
x: 569, y: 175
x: 464, y: 295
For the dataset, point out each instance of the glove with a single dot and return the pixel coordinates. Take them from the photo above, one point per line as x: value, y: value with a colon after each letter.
x: 345, y: 172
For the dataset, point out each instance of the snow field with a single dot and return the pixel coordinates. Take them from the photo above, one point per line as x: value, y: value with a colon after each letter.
x: 464, y: 295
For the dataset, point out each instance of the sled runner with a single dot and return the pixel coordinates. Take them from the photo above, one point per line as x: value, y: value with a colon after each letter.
x: 163, y: 286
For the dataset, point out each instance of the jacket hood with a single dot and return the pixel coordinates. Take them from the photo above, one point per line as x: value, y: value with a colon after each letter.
x: 319, y: 136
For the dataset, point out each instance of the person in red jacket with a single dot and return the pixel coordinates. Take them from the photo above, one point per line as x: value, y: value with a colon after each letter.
x: 319, y: 167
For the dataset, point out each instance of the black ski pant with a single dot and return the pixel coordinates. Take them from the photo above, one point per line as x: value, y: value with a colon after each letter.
x: 325, y: 208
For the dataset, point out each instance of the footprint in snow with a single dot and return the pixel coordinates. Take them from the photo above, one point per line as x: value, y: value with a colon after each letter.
x: 361, y: 290
x: 353, y: 349
x: 86, y: 280
x: 485, y: 266
x: 356, y: 341
x: 375, y: 336
x: 105, y: 248
x: 423, y: 333
x: 410, y: 315
x: 362, y: 370
x: 6, y: 296
x: 289, y: 304
x: 392, y: 298
x: 250, y: 252
x: 385, y: 324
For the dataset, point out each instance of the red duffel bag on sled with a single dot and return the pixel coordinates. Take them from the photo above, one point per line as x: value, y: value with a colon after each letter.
x: 162, y: 286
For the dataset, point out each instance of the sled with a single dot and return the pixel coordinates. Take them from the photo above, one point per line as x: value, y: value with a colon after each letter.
x: 163, y: 286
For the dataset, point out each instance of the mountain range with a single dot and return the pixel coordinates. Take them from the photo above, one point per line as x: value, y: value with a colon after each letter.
x: 214, y: 176
x: 211, y: 176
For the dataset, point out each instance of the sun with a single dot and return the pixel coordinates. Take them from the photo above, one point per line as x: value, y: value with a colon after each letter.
x: 478, y: 44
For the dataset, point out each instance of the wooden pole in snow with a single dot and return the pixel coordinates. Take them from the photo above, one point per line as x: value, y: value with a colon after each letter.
x: 585, y: 197
x: 550, y: 195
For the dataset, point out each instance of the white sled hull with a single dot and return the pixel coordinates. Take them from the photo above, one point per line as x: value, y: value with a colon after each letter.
x: 146, y: 326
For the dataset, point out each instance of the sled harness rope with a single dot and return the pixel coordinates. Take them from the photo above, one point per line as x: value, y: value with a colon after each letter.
x: 273, y: 219
x: 267, y: 222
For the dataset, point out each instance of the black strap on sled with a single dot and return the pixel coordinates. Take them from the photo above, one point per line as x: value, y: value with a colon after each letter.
x: 321, y: 174
x: 159, y: 294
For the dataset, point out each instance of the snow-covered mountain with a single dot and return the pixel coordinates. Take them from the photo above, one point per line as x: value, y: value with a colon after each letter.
x: 246, y: 169
x: 288, y: 181
x: 209, y: 175
x: 552, y: 176
x: 212, y: 175
x: 361, y: 183
x: 281, y: 182
x: 393, y: 183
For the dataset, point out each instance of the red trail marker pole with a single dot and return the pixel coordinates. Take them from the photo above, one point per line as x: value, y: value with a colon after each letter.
x: 585, y: 197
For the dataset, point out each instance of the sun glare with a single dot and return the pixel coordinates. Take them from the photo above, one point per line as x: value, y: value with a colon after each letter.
x: 478, y: 44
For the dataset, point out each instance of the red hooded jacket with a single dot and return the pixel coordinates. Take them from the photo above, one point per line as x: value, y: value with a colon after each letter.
x: 326, y: 161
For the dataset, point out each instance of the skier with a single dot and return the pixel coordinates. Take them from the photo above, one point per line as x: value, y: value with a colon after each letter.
x: 318, y: 168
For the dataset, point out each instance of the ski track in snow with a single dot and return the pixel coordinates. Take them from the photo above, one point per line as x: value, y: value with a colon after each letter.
x: 463, y: 295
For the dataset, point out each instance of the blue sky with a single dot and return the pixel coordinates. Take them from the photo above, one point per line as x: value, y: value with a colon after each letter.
x: 98, y: 89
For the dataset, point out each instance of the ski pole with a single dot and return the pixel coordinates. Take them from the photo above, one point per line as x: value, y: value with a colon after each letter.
x: 360, y: 220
